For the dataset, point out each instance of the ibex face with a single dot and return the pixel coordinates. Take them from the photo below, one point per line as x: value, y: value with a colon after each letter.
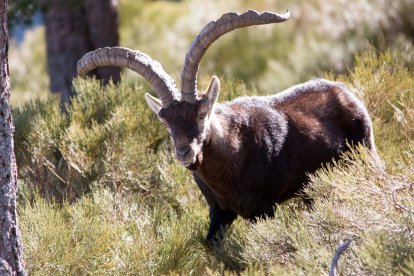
x: 188, y: 123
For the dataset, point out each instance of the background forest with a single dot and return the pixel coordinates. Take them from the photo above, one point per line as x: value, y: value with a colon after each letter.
x: 101, y: 194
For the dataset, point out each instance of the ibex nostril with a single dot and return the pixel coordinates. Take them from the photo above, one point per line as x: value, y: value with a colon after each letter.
x: 182, y: 151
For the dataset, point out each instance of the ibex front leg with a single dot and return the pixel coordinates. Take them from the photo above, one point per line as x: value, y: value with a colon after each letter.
x: 220, y: 220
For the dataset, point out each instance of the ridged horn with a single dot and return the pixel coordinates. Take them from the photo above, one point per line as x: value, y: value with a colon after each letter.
x: 210, y: 33
x: 138, y: 62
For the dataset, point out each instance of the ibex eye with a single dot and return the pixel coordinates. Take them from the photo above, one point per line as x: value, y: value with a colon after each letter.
x: 203, y: 116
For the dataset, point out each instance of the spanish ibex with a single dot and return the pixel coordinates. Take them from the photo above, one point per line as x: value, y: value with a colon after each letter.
x: 253, y: 152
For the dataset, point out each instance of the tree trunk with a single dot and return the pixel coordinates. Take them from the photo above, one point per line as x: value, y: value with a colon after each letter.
x: 74, y: 27
x: 11, y: 261
x: 102, y: 22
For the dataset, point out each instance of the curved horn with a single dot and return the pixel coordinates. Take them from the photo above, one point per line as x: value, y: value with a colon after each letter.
x: 209, y: 34
x: 137, y: 61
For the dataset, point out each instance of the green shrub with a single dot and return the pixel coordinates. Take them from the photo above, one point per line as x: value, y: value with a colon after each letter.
x: 103, y: 234
x: 143, y: 214
x: 107, y: 139
x: 386, y: 84
x: 353, y: 200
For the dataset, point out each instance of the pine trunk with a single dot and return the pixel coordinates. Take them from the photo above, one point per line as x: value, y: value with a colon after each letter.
x: 11, y: 261
x: 74, y: 28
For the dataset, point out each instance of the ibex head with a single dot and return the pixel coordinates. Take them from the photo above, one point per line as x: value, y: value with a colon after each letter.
x: 188, y: 123
x: 187, y: 114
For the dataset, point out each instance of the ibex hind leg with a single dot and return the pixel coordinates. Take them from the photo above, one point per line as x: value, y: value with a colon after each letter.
x: 362, y: 134
x: 309, y: 202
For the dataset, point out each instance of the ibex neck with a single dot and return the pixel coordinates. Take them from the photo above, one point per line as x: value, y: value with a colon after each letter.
x: 217, y: 166
x: 221, y: 141
x: 217, y: 128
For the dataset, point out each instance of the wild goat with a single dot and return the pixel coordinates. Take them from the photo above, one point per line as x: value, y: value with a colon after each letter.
x: 253, y: 152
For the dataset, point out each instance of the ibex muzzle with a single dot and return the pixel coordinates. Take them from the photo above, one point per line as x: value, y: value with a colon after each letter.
x: 253, y: 152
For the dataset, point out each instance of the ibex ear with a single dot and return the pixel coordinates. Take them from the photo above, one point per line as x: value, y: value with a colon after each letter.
x: 154, y: 103
x: 213, y: 90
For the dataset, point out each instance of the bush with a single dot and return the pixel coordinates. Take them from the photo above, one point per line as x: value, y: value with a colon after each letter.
x: 107, y: 139
x: 143, y: 215
x: 106, y: 234
x: 353, y: 200
x: 385, y: 82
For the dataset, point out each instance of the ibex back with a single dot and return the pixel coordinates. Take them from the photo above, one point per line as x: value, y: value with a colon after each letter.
x: 253, y: 152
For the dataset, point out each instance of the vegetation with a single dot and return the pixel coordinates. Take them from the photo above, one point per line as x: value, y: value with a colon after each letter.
x: 101, y: 194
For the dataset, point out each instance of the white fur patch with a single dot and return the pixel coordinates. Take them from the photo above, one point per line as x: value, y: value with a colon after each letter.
x: 216, y: 126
